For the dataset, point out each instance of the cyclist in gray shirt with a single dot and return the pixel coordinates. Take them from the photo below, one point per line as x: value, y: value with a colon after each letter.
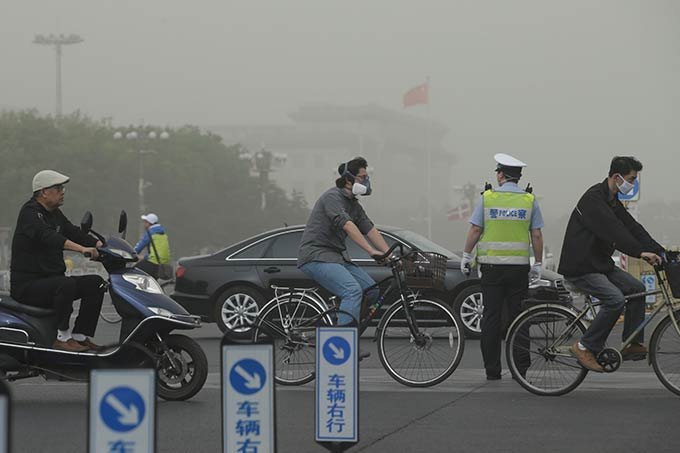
x: 323, y: 256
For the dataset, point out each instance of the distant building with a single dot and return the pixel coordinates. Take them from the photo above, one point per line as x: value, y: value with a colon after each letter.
x: 321, y: 137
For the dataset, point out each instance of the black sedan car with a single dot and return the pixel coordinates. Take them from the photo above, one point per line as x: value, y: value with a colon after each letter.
x: 230, y: 286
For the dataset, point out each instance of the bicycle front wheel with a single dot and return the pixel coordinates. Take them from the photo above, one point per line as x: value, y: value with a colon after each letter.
x: 292, y: 326
x: 538, y: 350
x: 431, y: 355
x: 664, y: 353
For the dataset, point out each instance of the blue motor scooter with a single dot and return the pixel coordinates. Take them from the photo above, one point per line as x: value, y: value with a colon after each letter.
x: 146, y: 338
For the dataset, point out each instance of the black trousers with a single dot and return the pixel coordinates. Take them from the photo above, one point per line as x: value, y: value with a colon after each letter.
x: 149, y: 267
x: 504, y: 287
x: 60, y: 292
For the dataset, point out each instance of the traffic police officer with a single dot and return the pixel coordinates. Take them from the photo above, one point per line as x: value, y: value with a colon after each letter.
x: 503, y: 226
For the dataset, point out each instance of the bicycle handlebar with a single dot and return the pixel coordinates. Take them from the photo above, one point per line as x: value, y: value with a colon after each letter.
x: 389, y: 251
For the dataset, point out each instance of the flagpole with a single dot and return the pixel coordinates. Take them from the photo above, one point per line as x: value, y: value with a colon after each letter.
x: 428, y: 171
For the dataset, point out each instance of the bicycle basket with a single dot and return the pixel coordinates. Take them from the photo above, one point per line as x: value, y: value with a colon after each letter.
x: 672, y: 269
x: 424, y: 269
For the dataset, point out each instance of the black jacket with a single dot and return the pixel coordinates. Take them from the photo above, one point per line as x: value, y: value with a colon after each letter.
x: 38, y: 244
x: 598, y: 226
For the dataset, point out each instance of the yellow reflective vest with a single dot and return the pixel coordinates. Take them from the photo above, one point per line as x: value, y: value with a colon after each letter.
x: 507, y: 220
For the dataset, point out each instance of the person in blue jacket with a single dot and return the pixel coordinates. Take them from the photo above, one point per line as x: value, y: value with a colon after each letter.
x: 155, y: 241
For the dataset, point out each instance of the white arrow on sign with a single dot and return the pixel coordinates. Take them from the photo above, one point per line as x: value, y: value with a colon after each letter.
x: 252, y: 381
x: 128, y: 415
x: 338, y: 353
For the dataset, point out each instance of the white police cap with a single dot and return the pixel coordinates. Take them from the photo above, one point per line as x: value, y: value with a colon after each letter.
x: 506, y: 160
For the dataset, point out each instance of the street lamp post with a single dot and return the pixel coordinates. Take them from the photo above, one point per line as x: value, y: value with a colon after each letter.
x: 263, y: 163
x: 142, y: 183
x: 57, y: 42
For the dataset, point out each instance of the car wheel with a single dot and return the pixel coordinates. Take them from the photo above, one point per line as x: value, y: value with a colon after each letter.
x: 236, y: 310
x: 468, y: 307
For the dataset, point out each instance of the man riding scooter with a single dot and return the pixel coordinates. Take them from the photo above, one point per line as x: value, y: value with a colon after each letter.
x: 37, y: 267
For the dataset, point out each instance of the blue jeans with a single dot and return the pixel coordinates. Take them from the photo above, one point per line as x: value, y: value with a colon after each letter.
x: 347, y: 281
x: 610, y: 288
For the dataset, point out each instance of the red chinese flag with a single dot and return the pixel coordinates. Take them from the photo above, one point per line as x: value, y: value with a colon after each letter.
x: 417, y: 95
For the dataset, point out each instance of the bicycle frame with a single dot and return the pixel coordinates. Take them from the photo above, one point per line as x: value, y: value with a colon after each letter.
x: 312, y: 295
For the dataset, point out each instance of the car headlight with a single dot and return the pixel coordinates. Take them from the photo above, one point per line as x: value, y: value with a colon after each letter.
x: 123, y: 253
x: 144, y: 283
x: 161, y: 311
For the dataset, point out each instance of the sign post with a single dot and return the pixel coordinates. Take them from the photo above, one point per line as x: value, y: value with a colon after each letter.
x: 337, y: 388
x: 122, y: 410
x: 5, y: 417
x: 248, y: 403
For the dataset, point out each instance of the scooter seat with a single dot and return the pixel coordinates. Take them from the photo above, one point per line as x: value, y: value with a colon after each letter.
x: 11, y: 304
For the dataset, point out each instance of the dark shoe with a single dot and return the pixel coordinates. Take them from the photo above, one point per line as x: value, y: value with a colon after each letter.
x: 634, y: 351
x: 363, y: 355
x: 70, y: 345
x: 493, y: 377
x: 90, y: 345
x: 586, y: 359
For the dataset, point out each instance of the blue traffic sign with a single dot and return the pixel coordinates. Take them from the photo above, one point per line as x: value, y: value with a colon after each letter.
x: 248, y: 410
x: 247, y: 376
x: 336, y: 350
x: 337, y: 386
x: 122, y: 409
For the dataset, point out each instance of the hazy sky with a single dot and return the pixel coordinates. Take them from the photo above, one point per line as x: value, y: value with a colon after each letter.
x: 561, y: 84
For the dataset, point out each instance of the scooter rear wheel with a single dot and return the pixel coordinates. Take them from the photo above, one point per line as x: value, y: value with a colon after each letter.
x: 182, y: 377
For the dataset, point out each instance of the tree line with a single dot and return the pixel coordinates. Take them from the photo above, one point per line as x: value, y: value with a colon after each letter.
x: 204, y: 192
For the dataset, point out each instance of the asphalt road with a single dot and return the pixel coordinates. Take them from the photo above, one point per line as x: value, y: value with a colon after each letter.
x: 628, y: 411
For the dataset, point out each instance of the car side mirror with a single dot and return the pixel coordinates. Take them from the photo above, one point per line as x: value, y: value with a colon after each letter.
x: 86, y: 223
x: 122, y: 223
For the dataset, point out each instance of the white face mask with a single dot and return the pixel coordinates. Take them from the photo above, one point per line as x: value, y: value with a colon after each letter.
x: 359, y: 189
x: 625, y: 187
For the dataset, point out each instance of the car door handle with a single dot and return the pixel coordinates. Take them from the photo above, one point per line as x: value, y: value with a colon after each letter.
x: 272, y: 270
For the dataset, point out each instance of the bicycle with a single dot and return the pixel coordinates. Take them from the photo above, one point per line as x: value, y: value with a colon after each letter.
x: 420, y: 342
x: 543, y: 334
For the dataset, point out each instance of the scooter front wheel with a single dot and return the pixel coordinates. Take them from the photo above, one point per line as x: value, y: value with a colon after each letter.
x: 182, y: 368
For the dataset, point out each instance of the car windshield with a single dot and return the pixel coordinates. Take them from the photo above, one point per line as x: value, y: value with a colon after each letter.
x: 425, y: 244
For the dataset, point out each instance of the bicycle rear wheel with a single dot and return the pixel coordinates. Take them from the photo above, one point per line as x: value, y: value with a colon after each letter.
x: 292, y: 325
x: 538, y: 350
x: 664, y: 353
x: 429, y: 357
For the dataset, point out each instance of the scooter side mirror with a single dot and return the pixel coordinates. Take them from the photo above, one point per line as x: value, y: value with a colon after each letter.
x: 122, y: 223
x: 86, y: 223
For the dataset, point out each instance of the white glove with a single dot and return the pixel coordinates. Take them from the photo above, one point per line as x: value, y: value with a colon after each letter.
x: 466, y: 263
x: 535, y: 272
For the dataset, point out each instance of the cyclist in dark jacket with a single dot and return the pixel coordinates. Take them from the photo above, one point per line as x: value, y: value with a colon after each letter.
x: 37, y: 269
x: 599, y: 225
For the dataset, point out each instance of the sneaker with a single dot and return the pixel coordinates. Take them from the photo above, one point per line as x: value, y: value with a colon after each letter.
x: 586, y: 359
x: 493, y: 377
x: 70, y: 345
x: 634, y: 351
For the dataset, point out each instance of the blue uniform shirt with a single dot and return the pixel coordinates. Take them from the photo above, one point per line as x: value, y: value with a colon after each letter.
x: 145, y: 240
x: 536, y: 216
